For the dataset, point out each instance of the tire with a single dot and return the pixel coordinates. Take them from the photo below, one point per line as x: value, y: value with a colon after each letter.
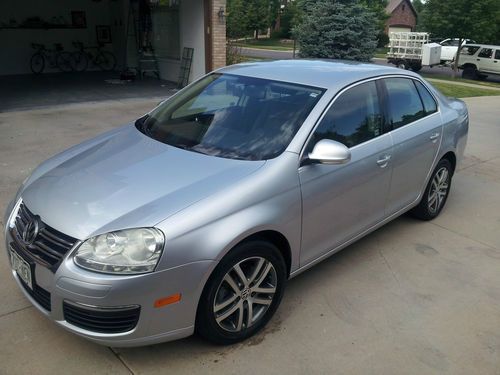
x: 64, y: 62
x: 470, y: 72
x: 227, y: 301
x: 416, y: 67
x: 401, y: 64
x: 439, y: 187
x: 106, y: 61
x: 79, y: 61
x: 37, y: 63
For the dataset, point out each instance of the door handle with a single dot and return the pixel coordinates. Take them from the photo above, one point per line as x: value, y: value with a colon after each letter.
x: 434, y: 137
x: 383, y: 161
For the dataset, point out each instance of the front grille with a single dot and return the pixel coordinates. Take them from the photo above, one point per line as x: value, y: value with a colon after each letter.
x: 39, y: 294
x: 103, y: 320
x: 49, y: 246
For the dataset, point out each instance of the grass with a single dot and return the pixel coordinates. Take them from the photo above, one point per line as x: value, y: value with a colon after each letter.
x: 459, y: 91
x: 461, y: 80
x: 381, y: 52
x: 266, y: 43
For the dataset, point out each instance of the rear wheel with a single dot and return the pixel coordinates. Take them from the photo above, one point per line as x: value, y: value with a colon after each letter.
x: 64, y: 61
x: 37, y: 63
x: 436, y: 192
x: 242, y: 294
x: 79, y: 61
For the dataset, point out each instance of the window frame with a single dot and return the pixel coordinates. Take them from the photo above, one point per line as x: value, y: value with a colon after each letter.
x: 383, y: 100
x: 413, y: 79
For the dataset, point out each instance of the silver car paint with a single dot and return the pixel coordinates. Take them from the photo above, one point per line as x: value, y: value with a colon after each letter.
x: 205, y: 205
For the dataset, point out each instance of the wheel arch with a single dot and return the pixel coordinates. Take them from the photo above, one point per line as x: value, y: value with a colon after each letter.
x: 452, y: 158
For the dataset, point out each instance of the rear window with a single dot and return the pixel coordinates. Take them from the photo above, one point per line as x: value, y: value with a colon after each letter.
x: 430, y: 105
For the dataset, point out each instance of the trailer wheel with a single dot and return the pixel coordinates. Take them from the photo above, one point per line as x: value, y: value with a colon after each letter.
x: 416, y: 66
x: 401, y: 64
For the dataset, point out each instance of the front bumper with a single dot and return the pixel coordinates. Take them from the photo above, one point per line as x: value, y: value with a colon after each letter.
x: 71, y: 285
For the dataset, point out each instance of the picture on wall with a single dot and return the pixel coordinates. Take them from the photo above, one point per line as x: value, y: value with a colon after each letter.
x: 103, y: 33
x: 78, y: 19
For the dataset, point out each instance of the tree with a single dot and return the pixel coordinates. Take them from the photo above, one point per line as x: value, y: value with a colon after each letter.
x: 258, y: 15
x: 378, y: 9
x: 249, y: 16
x: 337, y: 29
x: 463, y: 19
x: 236, y: 25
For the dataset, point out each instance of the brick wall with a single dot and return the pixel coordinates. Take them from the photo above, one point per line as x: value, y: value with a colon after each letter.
x: 218, y: 35
x: 402, y: 16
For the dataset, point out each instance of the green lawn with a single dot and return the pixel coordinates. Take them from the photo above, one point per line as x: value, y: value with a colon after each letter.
x: 276, y: 44
x: 458, y: 79
x: 459, y: 91
x: 381, y: 52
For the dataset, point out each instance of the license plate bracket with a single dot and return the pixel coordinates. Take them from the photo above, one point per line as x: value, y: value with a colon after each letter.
x: 22, y: 268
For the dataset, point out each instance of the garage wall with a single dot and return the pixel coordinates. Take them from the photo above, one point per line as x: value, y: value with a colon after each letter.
x: 191, y: 35
x: 16, y: 43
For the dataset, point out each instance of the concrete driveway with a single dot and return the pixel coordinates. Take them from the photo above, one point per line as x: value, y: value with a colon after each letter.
x: 411, y: 298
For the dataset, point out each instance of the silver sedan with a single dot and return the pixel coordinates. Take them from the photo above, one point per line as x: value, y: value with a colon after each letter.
x: 193, y: 217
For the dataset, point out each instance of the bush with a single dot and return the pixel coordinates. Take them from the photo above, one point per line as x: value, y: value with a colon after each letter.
x: 337, y: 30
x: 233, y: 54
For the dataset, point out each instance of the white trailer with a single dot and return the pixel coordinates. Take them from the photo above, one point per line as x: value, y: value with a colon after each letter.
x: 412, y: 50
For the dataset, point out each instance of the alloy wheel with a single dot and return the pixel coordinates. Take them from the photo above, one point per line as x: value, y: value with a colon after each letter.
x: 438, y: 190
x: 245, y: 294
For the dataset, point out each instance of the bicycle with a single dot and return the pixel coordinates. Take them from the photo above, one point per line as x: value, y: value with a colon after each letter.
x: 105, y: 60
x: 57, y: 58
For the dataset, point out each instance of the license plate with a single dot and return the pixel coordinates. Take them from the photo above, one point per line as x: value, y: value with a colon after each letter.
x: 21, y: 267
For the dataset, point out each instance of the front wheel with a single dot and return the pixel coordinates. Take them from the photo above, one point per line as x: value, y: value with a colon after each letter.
x: 470, y: 73
x: 106, y: 61
x: 436, y: 192
x: 242, y: 294
x: 37, y: 63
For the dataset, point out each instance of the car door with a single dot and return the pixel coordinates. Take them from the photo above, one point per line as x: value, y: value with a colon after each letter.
x: 341, y: 201
x: 484, y: 60
x: 416, y: 133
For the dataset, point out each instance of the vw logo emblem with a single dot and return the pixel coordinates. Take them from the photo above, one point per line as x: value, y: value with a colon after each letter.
x: 245, y: 294
x: 31, y: 231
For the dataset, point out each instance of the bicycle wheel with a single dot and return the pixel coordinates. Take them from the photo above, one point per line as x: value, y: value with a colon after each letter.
x: 79, y: 61
x: 105, y: 60
x: 37, y: 63
x: 64, y: 61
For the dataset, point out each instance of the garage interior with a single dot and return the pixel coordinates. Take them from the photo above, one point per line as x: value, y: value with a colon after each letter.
x: 146, y: 37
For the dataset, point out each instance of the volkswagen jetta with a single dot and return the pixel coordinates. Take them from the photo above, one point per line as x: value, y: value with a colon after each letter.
x: 193, y: 217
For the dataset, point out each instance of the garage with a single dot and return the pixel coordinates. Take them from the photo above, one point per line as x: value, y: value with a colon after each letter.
x: 174, y: 41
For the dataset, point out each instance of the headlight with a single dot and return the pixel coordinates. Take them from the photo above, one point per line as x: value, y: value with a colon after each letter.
x: 129, y: 251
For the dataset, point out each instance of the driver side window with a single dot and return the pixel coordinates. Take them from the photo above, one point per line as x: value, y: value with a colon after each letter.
x: 355, y: 117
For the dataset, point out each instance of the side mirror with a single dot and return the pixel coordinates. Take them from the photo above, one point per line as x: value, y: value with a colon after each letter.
x: 327, y: 151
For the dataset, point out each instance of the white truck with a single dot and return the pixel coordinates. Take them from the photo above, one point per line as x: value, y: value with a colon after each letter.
x: 479, y: 60
x: 412, y: 50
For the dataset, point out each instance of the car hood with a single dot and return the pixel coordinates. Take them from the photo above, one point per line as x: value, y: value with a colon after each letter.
x: 125, y: 180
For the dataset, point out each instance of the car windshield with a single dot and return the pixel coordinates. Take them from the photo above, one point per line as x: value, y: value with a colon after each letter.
x: 232, y: 116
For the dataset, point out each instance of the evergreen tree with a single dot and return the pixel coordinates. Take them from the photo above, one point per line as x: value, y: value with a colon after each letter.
x: 337, y: 29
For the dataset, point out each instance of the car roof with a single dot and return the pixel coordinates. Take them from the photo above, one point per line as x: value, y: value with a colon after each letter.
x: 329, y: 74
x: 482, y: 45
